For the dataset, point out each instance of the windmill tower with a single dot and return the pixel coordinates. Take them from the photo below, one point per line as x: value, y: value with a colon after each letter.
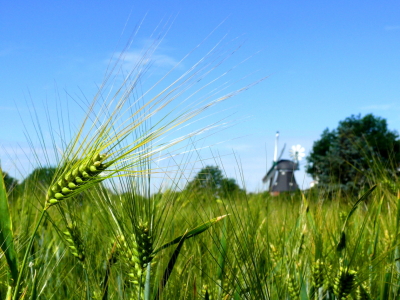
x: 281, y: 175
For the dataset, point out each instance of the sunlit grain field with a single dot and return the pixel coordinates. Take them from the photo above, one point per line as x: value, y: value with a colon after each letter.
x: 298, y: 246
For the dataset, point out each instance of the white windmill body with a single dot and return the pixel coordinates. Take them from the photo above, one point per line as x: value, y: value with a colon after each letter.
x: 281, y: 175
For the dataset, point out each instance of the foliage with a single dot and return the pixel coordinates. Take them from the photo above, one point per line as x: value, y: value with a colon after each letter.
x: 11, y: 186
x: 41, y: 176
x: 350, y: 154
x: 9, y: 182
x: 210, y: 179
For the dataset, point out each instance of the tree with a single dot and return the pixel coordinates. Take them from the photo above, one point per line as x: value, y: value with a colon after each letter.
x: 9, y: 182
x: 41, y: 176
x: 211, y: 180
x: 354, y: 152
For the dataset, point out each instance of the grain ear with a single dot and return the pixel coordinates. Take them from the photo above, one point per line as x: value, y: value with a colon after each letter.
x: 71, y: 182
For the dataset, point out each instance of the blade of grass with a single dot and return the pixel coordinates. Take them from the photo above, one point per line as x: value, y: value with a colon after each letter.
x: 191, y: 233
x: 27, y: 251
x: 169, y: 268
x: 222, y: 255
x: 34, y: 294
x: 6, y: 233
x: 342, y: 241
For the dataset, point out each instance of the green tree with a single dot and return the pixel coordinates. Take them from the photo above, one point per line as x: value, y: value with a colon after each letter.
x: 211, y: 180
x: 41, y: 176
x: 354, y: 152
x: 36, y: 182
x: 10, y: 182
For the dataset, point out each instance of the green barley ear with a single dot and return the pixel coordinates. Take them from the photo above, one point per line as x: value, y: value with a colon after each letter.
x: 144, y: 244
x: 206, y: 293
x: 344, y: 283
x: 76, y: 178
x: 293, y: 287
x: 274, y: 254
x: 318, y: 274
x: 75, y: 242
x: 362, y: 293
x: 136, y: 254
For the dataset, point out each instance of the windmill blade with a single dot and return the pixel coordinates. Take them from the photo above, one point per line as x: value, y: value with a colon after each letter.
x: 283, y: 150
x: 297, y: 152
x: 270, y: 173
x: 276, y: 146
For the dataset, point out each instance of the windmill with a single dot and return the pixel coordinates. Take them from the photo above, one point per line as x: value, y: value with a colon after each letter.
x: 281, y: 175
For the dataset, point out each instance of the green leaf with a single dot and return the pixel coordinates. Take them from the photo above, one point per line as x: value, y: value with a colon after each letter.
x: 170, y: 267
x: 222, y: 254
x: 191, y: 233
x: 180, y: 240
x: 6, y: 234
x: 363, y: 198
x: 34, y: 293
x: 342, y: 242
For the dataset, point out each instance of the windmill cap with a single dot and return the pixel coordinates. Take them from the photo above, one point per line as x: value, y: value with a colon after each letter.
x: 285, y: 164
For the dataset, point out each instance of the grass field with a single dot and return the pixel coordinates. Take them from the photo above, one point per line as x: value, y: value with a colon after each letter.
x: 299, y: 246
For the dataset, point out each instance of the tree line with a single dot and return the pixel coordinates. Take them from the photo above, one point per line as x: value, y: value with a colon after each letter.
x: 360, y: 151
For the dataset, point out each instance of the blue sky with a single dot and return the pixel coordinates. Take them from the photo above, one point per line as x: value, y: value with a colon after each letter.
x: 325, y: 60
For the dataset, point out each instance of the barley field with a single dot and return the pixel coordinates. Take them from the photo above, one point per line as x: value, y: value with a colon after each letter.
x: 105, y: 244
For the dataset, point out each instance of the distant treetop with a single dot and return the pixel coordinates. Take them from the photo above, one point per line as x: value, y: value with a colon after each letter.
x: 353, y: 154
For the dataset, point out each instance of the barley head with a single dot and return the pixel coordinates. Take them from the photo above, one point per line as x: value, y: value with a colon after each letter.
x: 344, y: 283
x: 76, y: 179
x: 293, y: 287
x: 362, y: 293
x: 275, y: 255
x: 136, y: 253
x: 318, y: 273
x: 75, y: 242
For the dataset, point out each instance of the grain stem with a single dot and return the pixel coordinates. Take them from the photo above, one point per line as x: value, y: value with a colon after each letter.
x: 28, y: 249
x: 147, y: 283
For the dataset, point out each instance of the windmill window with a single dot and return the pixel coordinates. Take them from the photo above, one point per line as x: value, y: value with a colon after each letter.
x: 283, y: 172
x: 290, y: 183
